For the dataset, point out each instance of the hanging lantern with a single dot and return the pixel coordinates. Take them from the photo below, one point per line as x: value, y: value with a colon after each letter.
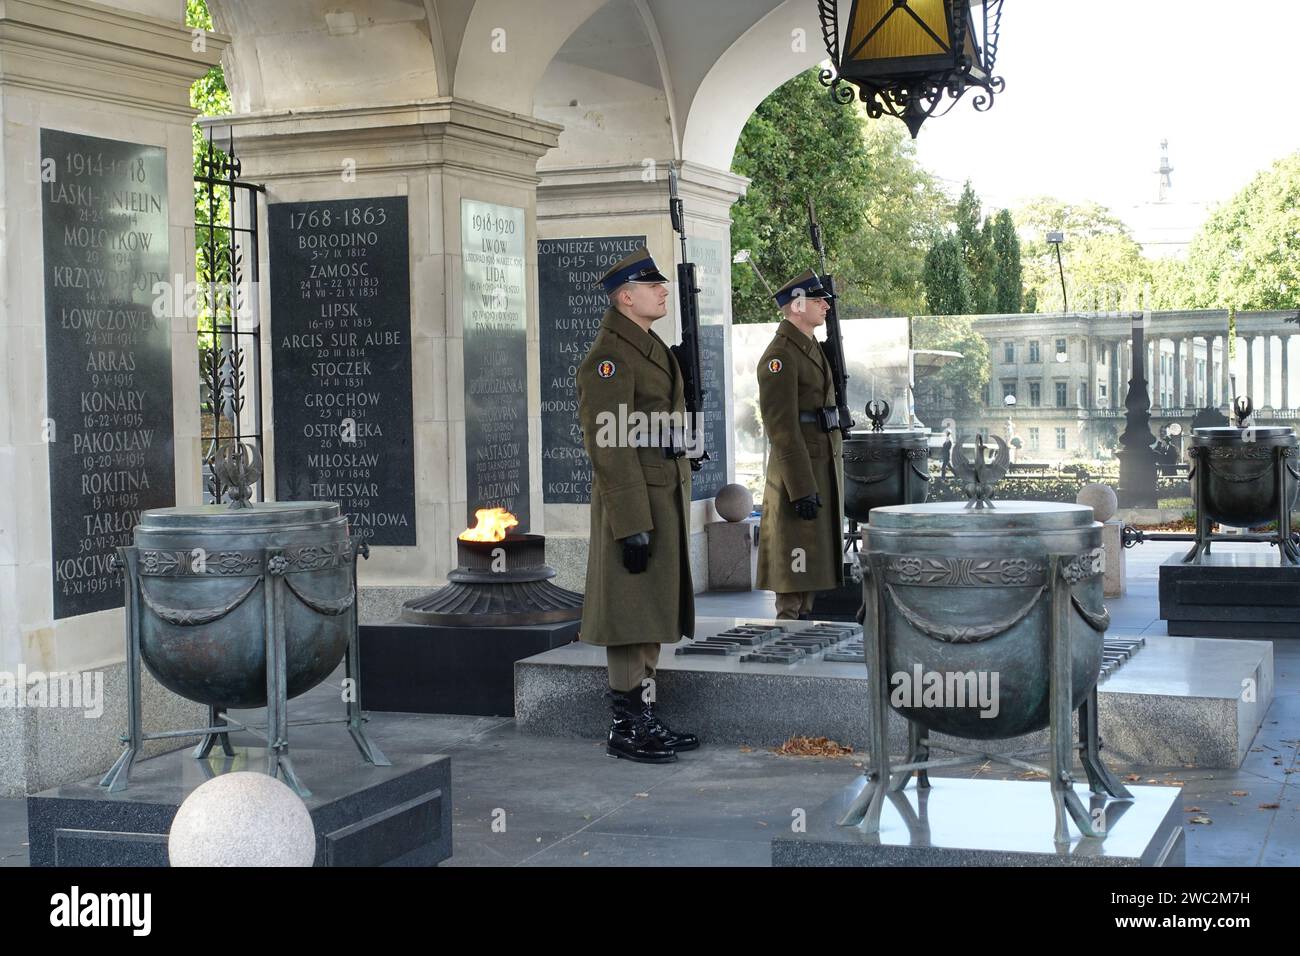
x: 904, y: 55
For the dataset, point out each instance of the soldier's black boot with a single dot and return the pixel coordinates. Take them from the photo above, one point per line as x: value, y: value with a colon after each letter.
x: 629, y: 737
x: 672, y: 739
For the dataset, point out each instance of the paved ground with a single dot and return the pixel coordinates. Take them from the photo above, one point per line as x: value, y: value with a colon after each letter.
x: 567, y: 804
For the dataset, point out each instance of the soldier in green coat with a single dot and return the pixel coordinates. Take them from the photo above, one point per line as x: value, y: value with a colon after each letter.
x: 800, y: 538
x: 639, y: 595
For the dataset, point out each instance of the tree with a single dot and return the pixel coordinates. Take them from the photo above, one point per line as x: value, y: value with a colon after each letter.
x: 947, y: 283
x: 875, y: 203
x: 963, y: 380
x: 975, y: 248
x: 1104, y: 266
x: 1006, y: 273
x: 1247, y: 254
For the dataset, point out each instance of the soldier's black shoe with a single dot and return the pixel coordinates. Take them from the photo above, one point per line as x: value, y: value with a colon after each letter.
x: 661, y: 732
x: 629, y: 737
x: 805, y: 615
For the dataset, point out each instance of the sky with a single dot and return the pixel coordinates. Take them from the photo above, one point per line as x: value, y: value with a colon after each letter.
x: 1094, y: 85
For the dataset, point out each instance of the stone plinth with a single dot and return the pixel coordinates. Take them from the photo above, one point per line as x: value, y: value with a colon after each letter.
x: 960, y: 822
x: 363, y: 815
x: 1112, y: 543
x: 1231, y: 594
x: 733, y: 554
x: 1174, y: 703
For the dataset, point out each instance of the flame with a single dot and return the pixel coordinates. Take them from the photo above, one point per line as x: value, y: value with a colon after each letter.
x: 491, y: 524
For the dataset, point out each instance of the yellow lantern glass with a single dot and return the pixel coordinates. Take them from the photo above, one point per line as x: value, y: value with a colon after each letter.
x: 885, y: 30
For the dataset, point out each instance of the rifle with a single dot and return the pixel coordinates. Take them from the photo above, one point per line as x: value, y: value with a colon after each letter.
x: 833, y: 347
x: 688, y: 352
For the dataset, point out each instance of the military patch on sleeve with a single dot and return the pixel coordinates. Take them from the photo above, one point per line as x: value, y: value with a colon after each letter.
x: 774, y: 365
x: 606, y: 369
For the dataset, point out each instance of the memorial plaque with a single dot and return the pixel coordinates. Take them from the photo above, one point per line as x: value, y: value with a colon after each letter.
x: 495, y: 312
x: 341, y: 361
x: 108, y: 358
x: 707, y: 254
x: 571, y: 305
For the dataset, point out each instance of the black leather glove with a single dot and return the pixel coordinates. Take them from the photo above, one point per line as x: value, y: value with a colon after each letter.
x: 806, y: 507
x: 636, y: 552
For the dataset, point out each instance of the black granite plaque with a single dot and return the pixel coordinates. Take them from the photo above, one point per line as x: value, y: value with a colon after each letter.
x: 495, y: 315
x: 108, y: 356
x: 707, y: 255
x: 571, y: 304
x: 341, y: 361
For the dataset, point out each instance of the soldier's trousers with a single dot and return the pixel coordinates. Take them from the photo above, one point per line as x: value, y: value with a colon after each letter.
x: 793, y: 603
x: 631, y: 664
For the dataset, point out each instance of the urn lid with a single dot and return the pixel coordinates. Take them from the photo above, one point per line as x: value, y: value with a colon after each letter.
x: 261, y: 516
x: 891, y: 436
x: 1230, y: 433
x: 1027, y: 516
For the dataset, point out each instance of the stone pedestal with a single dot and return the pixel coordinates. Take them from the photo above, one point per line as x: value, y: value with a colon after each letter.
x: 423, y: 669
x: 733, y: 554
x: 1233, y: 594
x: 961, y: 822
x: 1112, y: 543
x: 88, y: 70
x: 363, y: 815
x: 1175, y: 703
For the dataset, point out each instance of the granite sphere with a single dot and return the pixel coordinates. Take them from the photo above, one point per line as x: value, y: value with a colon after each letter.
x: 734, y: 502
x: 242, y: 819
x: 1101, y: 498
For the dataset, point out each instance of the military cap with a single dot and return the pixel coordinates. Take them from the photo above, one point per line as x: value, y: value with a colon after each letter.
x: 638, y: 267
x: 807, y: 281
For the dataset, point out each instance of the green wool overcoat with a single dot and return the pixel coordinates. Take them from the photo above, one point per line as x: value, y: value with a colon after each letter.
x: 634, y: 489
x: 796, y: 555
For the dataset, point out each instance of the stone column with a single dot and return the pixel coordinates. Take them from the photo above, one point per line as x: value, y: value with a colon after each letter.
x: 1209, y: 370
x: 1249, y: 342
x: 1267, y: 398
x: 1189, y: 372
x: 1286, y: 394
x: 1115, y: 401
x: 1157, y: 373
x: 1225, y: 372
x: 1177, y: 400
x: 435, y: 153
x: 88, y: 70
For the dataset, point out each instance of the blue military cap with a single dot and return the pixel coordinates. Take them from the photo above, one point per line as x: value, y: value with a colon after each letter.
x: 638, y: 267
x: 808, y: 282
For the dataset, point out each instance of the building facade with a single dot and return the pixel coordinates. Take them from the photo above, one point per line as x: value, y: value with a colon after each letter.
x: 1069, y: 374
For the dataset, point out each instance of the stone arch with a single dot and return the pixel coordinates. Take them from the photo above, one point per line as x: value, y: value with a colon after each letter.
x: 296, y: 54
x: 507, y: 46
x: 742, y: 76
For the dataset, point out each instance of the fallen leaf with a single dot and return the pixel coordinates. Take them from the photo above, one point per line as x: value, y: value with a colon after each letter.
x: 1239, y: 793
x: 812, y: 747
x: 761, y: 823
x: 1177, y: 783
x: 1192, y: 810
x: 1269, y: 806
x: 1200, y: 820
x: 1132, y: 778
x: 746, y: 750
